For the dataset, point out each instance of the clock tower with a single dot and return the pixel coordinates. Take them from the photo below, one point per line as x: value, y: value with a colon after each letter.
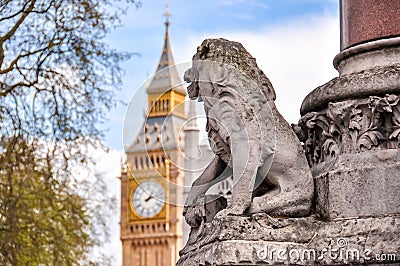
x: 152, y: 184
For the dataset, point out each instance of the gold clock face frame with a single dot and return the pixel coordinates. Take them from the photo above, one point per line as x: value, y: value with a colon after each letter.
x: 146, y: 189
x: 148, y: 199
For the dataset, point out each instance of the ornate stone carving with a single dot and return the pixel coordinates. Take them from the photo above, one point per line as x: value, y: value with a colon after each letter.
x: 351, y: 127
x: 252, y: 142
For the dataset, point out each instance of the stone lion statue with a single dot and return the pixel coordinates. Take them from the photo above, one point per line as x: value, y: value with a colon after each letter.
x: 252, y: 142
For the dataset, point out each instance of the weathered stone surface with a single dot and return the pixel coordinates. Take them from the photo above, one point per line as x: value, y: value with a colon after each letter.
x: 252, y: 240
x: 359, y: 185
x: 378, y: 81
x: 379, y: 53
x: 202, y: 212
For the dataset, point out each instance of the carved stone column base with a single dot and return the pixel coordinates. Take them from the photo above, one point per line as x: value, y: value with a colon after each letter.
x: 262, y: 240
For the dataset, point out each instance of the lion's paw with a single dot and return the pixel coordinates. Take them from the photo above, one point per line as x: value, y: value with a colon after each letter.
x: 229, y: 211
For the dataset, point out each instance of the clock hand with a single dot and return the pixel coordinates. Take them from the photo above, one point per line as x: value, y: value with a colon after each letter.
x: 149, y: 198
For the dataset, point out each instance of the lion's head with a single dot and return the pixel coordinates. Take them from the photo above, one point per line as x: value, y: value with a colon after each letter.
x: 232, y: 54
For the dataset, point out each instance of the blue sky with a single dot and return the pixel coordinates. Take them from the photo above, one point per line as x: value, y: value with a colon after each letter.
x: 294, y: 42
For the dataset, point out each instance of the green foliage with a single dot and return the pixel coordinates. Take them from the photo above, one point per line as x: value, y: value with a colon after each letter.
x: 57, y: 82
x: 43, y: 221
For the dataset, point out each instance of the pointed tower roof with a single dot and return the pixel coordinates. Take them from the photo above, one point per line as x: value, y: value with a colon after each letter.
x: 161, y: 130
x: 166, y: 76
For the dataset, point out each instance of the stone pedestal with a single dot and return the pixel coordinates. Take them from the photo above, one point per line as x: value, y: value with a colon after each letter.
x: 262, y: 240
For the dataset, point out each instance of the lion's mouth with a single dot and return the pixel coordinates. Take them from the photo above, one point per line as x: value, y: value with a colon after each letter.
x: 190, y: 87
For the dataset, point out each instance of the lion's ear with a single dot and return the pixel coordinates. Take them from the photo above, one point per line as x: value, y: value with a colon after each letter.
x: 219, y: 74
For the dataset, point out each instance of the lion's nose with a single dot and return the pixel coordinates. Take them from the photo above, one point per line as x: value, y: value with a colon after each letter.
x: 186, y: 76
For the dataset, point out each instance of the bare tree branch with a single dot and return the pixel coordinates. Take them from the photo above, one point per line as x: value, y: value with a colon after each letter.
x: 14, y: 14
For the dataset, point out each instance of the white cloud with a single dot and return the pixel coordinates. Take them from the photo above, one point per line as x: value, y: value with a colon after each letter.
x: 243, y: 17
x: 258, y: 3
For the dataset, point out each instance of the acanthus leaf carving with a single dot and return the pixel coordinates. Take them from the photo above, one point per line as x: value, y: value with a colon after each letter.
x: 351, y: 127
x: 370, y: 139
x: 330, y: 147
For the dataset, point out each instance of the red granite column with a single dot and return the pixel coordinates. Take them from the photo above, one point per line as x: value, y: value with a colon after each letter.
x: 367, y: 20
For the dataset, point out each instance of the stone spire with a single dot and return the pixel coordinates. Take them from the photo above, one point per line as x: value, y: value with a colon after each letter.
x: 166, y: 76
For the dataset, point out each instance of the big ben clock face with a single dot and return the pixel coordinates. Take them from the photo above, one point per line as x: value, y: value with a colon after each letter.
x: 148, y: 199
